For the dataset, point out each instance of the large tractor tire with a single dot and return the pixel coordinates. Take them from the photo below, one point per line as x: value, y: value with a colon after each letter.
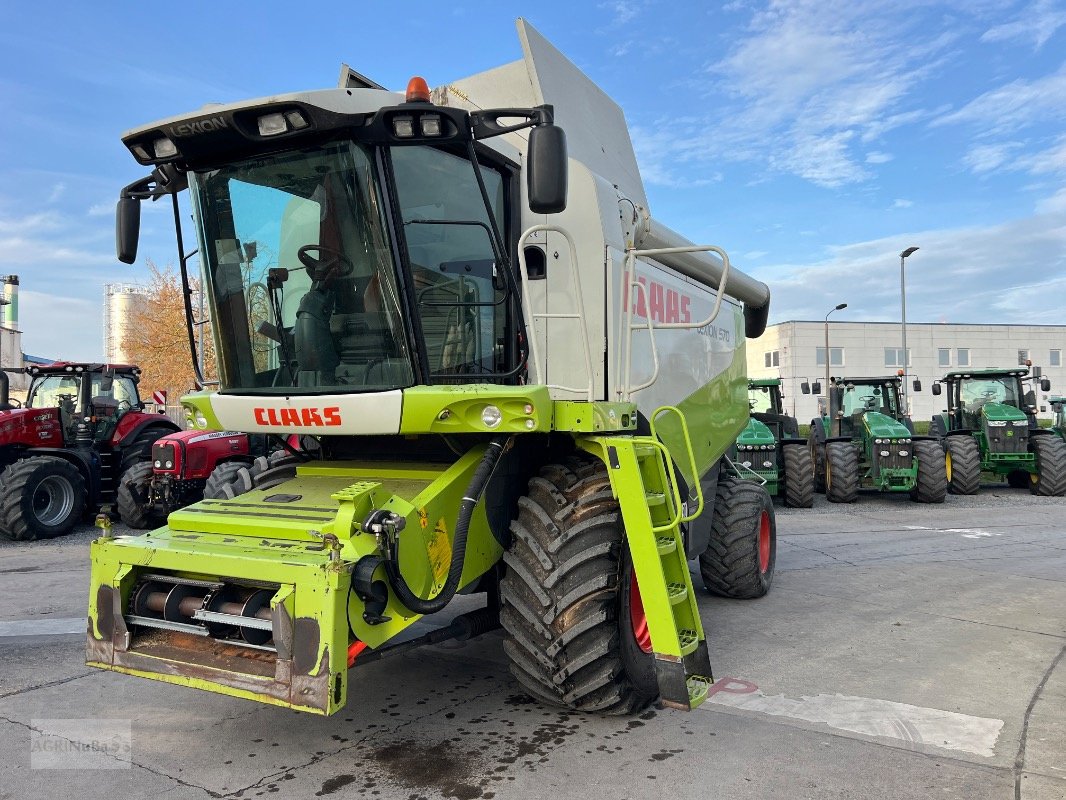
x: 576, y: 630
x: 932, y: 484
x: 740, y: 558
x: 841, y: 472
x: 134, y: 494
x: 816, y: 445
x: 962, y: 464
x: 233, y: 478
x: 1050, y: 477
x: 40, y: 497
x: 799, y: 476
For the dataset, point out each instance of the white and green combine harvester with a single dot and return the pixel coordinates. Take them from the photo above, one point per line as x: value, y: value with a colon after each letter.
x: 506, y: 378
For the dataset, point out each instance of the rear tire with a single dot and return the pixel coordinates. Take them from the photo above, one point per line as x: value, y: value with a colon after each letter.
x: 1050, y: 478
x: 140, y: 448
x: 799, y: 476
x: 932, y: 481
x: 739, y: 560
x: 566, y: 592
x: 40, y: 497
x: 841, y: 472
x: 962, y: 464
x: 234, y: 478
x: 134, y: 498
x: 817, y: 448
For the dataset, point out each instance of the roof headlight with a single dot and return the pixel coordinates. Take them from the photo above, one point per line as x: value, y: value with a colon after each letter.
x: 272, y: 124
x: 404, y: 126
x: 296, y: 120
x: 140, y: 153
x: 430, y: 124
x: 164, y: 148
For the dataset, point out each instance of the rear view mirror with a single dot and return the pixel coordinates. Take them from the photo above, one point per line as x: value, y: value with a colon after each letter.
x: 106, y: 383
x: 1045, y: 385
x: 917, y: 385
x: 127, y: 229
x: 546, y: 169
x: 805, y: 387
x: 936, y: 390
x: 816, y: 387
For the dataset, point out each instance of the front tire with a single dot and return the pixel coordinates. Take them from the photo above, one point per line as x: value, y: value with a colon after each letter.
x: 799, y: 476
x: 134, y: 498
x: 1050, y: 477
x: 841, y: 472
x: 233, y: 478
x: 567, y: 593
x: 739, y: 560
x: 962, y: 464
x: 816, y: 444
x: 932, y: 481
x: 40, y: 497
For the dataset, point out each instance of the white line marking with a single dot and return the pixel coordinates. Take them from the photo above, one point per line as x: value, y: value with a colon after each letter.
x: 872, y: 717
x: 49, y: 626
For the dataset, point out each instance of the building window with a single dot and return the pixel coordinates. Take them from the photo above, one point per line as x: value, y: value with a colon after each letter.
x: 962, y: 356
x: 773, y: 358
x: 1023, y: 356
x: 894, y: 356
x: 836, y: 357
x: 943, y: 356
x: 1056, y: 359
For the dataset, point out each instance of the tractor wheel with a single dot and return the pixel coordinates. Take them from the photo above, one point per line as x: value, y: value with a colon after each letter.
x: 932, y: 483
x: 817, y: 449
x: 799, y: 476
x: 576, y: 630
x: 1018, y: 479
x: 739, y: 560
x: 962, y: 464
x: 40, y: 497
x: 1050, y: 477
x: 841, y: 472
x: 139, y: 448
x: 134, y: 496
x: 234, y: 478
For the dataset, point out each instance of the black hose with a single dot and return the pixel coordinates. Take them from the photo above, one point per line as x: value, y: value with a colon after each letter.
x: 473, y: 493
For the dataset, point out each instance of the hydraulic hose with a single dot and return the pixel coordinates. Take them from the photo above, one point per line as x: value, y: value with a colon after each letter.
x: 473, y: 493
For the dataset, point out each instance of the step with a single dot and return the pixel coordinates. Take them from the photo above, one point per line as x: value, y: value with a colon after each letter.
x: 689, y: 640
x: 698, y: 689
x: 665, y: 544
x: 655, y: 498
x: 677, y: 592
x: 643, y: 451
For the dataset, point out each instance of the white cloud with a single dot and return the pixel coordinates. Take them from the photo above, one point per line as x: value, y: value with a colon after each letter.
x: 983, y: 158
x: 1037, y: 23
x: 876, y: 157
x: 57, y: 192
x: 29, y: 224
x: 622, y: 11
x: 755, y: 255
x: 1013, y: 106
x: 902, y: 203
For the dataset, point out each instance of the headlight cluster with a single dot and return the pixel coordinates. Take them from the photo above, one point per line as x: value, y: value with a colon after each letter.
x: 755, y: 447
x: 892, y: 441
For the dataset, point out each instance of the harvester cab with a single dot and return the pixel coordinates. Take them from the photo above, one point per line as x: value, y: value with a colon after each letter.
x: 81, y: 429
x: 471, y: 326
x: 989, y: 427
x: 769, y: 449
x: 867, y: 440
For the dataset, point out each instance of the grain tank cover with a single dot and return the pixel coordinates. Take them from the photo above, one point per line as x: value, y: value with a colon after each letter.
x: 596, y: 131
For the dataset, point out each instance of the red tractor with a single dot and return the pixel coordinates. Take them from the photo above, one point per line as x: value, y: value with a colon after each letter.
x: 82, y: 427
x: 177, y: 472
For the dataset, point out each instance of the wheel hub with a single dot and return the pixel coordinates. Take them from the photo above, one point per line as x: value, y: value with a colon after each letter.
x: 637, y: 617
x: 53, y: 500
x: 764, y: 542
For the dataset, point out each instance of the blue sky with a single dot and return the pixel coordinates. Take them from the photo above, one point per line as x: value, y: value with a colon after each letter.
x: 813, y: 139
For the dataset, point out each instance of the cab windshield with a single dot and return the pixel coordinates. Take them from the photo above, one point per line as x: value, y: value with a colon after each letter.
x: 760, y: 400
x: 869, y: 397
x: 300, y: 266
x: 976, y: 392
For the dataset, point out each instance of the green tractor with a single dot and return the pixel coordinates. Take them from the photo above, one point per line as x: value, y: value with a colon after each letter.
x: 1058, y: 405
x: 867, y: 441
x: 990, y: 428
x: 769, y: 449
x: 496, y: 368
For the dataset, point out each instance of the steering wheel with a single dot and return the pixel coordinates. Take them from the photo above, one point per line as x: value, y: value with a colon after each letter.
x: 329, y: 265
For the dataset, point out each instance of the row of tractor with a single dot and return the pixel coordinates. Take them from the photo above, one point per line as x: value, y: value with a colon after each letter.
x: 866, y: 440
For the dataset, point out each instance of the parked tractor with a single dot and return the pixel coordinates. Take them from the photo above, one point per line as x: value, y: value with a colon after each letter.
x: 990, y: 428
x: 66, y: 451
x: 474, y: 328
x: 769, y: 449
x: 867, y: 441
x: 1058, y: 406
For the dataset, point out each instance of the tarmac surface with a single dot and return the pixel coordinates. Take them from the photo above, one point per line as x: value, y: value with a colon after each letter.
x: 905, y: 651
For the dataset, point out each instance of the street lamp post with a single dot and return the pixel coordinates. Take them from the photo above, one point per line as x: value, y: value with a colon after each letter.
x: 839, y: 307
x: 903, y: 307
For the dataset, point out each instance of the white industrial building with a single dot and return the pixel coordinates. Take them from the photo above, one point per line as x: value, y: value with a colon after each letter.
x: 795, y: 352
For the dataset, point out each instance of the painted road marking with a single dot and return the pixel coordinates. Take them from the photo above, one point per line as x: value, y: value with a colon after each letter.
x: 868, y: 716
x: 966, y: 533
x: 50, y: 626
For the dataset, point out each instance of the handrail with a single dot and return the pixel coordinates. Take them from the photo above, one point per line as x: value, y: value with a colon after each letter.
x: 626, y: 390
x: 691, y: 456
x: 579, y: 315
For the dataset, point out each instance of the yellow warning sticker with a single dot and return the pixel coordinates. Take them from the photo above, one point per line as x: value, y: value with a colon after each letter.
x: 440, y: 550
x: 423, y: 518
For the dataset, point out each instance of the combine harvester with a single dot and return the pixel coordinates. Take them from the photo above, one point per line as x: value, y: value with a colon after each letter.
x: 520, y: 384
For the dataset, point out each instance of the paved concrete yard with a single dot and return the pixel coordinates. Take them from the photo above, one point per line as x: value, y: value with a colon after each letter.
x: 904, y: 652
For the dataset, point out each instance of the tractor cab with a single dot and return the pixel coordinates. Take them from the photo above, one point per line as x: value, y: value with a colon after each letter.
x: 1058, y: 406
x: 91, y: 398
x: 851, y: 399
x: 766, y: 402
x: 976, y: 397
